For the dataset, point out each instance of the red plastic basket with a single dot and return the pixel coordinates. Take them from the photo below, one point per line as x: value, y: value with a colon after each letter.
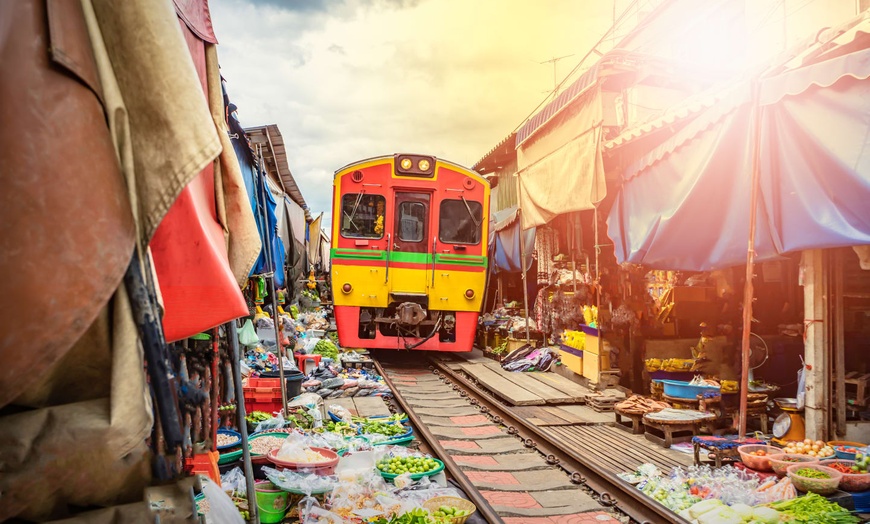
x: 263, y: 394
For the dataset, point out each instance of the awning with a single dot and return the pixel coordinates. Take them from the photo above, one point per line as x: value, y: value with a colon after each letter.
x: 560, y: 169
x: 505, y: 242
x: 275, y: 154
x: 685, y: 205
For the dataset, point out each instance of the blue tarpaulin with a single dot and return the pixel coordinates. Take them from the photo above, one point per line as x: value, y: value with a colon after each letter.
x: 686, y: 204
x: 505, y: 242
x: 255, y: 184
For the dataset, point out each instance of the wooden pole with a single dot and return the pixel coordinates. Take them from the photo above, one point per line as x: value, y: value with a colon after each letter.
x: 839, y: 345
x: 523, y: 262
x: 748, y: 289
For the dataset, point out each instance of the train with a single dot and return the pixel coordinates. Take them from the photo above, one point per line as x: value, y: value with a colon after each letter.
x: 409, y: 253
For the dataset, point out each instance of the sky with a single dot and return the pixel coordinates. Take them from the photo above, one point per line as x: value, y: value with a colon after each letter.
x: 351, y: 79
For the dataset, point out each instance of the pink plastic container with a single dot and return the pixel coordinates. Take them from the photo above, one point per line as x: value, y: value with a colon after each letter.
x: 780, y: 464
x: 820, y: 486
x: 755, y: 462
x: 318, y: 468
x: 853, y: 482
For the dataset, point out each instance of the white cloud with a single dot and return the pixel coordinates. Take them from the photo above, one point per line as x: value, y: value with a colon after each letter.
x: 346, y: 80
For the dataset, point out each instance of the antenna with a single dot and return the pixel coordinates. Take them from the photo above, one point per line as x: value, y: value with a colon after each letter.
x: 553, y: 61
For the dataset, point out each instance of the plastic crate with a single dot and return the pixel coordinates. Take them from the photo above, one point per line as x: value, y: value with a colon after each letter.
x: 263, y: 394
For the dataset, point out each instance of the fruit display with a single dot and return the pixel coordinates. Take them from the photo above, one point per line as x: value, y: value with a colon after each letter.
x: 408, y: 464
x: 448, y: 513
x: 255, y: 417
x: 808, y: 447
x: 390, y: 429
x: 862, y: 462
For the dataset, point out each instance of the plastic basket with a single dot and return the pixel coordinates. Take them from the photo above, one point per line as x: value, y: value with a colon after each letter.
x: 759, y: 463
x: 820, y: 486
x: 417, y: 476
x: 432, y: 506
x: 855, y: 482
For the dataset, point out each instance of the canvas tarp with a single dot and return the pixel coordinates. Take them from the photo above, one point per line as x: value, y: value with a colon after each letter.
x: 505, y: 242
x: 314, y: 241
x: 189, y: 246
x: 560, y: 168
x: 685, y: 205
x: 96, y: 398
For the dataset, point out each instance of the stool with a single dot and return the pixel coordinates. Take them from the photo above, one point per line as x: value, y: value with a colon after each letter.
x: 633, y: 425
x: 307, y: 363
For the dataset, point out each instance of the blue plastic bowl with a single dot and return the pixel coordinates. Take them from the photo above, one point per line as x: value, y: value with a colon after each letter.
x: 232, y: 434
x: 680, y: 389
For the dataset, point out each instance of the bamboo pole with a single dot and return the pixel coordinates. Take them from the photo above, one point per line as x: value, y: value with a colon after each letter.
x: 523, y: 262
x: 748, y: 289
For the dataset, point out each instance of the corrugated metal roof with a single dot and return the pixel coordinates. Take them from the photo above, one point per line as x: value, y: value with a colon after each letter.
x: 275, y: 156
x: 577, y: 88
x: 673, y: 115
x: 498, y: 155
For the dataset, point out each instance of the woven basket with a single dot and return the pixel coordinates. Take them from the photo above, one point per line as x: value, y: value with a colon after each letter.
x: 432, y: 506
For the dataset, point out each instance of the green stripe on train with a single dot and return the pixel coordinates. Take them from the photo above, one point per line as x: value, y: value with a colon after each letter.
x: 408, y: 258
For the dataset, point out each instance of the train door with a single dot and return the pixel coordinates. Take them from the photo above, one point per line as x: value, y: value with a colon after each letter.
x: 412, y: 249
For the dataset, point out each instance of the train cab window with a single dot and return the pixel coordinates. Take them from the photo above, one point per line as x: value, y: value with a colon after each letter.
x: 362, y: 216
x: 460, y: 221
x: 412, y: 217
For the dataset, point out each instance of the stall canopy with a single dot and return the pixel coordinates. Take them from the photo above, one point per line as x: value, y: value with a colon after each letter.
x: 814, y: 180
x: 505, y: 242
x: 559, y: 161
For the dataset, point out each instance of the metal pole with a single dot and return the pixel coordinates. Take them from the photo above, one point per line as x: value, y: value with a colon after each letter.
x: 269, y: 269
x: 233, y: 339
x: 750, y: 267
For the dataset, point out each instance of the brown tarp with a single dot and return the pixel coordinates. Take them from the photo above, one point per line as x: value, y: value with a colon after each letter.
x: 560, y: 167
x: 76, y: 407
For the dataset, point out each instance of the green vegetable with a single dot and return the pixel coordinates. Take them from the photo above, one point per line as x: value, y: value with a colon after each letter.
x: 814, y: 509
x: 812, y: 473
x: 327, y: 349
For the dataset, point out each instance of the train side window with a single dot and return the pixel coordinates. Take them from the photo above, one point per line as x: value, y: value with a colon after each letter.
x: 460, y: 222
x: 412, y: 217
x: 362, y: 216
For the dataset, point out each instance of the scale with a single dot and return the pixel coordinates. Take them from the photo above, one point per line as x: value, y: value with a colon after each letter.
x: 788, y: 426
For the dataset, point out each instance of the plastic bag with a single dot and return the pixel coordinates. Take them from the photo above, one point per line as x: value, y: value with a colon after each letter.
x: 276, y: 422
x: 233, y: 483
x: 248, y: 335
x: 802, y: 385
x: 222, y: 510
x: 300, y: 482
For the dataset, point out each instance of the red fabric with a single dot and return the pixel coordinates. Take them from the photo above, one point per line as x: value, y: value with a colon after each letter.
x: 197, y: 17
x: 190, y: 253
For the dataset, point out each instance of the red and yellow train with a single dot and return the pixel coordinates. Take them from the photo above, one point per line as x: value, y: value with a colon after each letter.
x: 409, y: 253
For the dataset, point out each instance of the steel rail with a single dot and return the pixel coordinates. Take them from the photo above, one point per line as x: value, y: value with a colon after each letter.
x: 482, y: 504
x: 630, y: 501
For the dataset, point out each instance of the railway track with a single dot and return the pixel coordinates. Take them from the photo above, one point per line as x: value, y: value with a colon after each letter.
x: 511, y: 469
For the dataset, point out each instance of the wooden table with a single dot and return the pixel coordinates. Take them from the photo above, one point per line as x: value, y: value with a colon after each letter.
x: 671, y: 426
x: 633, y: 424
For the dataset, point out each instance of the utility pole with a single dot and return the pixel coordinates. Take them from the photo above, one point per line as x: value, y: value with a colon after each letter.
x: 553, y: 61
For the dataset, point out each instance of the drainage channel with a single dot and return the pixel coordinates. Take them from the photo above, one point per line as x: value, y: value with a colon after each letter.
x: 508, y: 475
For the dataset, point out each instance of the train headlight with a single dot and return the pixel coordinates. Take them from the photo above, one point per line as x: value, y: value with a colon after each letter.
x: 423, y: 165
x: 346, y: 288
x: 406, y: 163
x: 469, y: 294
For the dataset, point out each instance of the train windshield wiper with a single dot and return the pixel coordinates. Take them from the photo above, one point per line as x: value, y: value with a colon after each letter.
x: 353, y: 211
x: 468, y: 208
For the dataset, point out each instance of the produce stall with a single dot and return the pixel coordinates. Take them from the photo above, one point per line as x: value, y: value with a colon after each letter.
x: 803, y: 482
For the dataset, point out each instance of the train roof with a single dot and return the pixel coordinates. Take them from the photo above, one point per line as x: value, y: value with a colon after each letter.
x: 388, y: 157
